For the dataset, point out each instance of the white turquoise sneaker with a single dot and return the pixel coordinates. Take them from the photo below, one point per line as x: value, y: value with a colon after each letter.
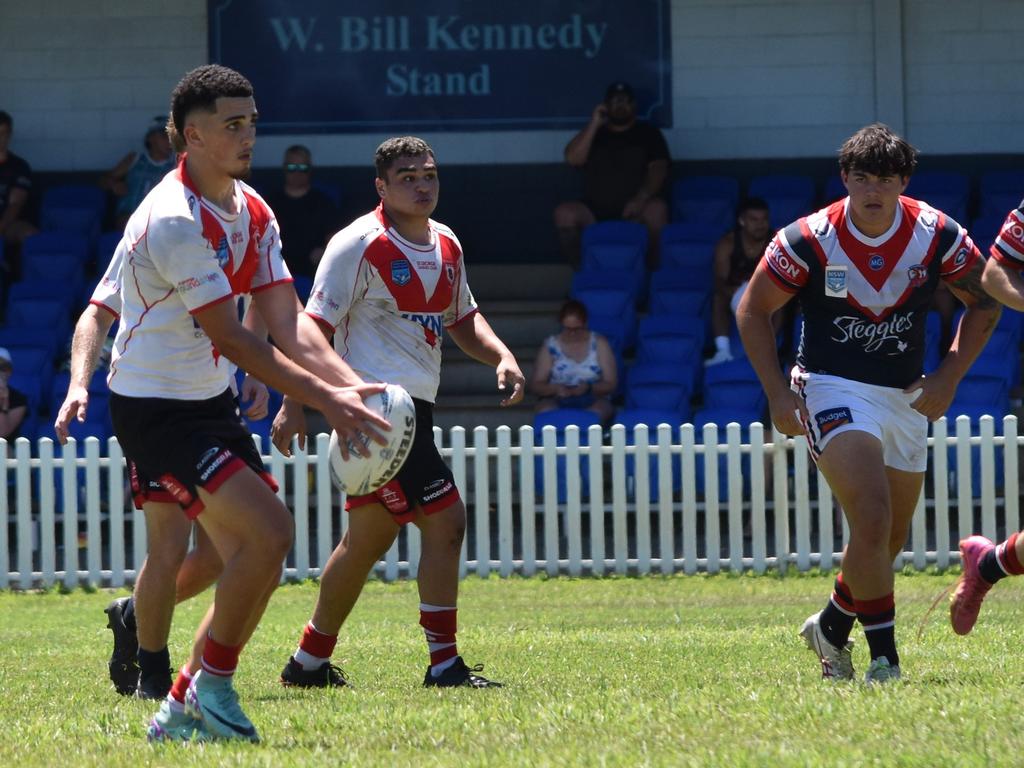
x: 881, y: 671
x: 213, y: 701
x: 172, y: 723
x: 836, y: 663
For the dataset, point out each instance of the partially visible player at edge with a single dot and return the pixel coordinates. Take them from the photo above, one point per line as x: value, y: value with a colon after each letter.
x: 984, y: 562
x: 387, y: 288
x: 864, y: 270
x: 200, y: 238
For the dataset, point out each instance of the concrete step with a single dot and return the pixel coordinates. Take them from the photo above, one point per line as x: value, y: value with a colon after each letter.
x: 530, y: 282
x: 459, y: 413
x: 517, y: 329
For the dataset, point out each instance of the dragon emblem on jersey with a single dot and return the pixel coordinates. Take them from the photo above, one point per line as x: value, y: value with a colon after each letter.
x: 449, y: 272
x: 918, y: 275
x: 401, y: 272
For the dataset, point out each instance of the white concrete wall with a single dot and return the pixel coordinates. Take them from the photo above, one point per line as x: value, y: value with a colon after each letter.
x: 751, y: 78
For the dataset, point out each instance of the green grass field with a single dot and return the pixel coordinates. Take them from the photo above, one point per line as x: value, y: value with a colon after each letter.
x: 702, y: 671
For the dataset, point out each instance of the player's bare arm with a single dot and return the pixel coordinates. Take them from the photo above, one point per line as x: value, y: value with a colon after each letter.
x: 342, y: 406
x: 253, y: 391
x: 290, y: 420
x: 90, y: 331
x: 754, y: 319
x: 979, y: 319
x: 1003, y: 282
x: 477, y: 339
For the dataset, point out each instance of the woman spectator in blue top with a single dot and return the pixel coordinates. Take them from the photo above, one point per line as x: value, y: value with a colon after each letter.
x: 575, y: 368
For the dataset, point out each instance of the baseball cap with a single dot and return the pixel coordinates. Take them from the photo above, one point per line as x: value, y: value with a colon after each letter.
x: 619, y: 86
x: 5, y: 356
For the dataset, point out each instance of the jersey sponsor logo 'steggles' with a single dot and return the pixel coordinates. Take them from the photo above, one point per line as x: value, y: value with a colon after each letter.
x: 832, y: 418
x: 401, y: 272
x: 873, y: 335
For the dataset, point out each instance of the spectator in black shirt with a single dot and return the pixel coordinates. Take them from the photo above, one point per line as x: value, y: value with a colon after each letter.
x: 13, y: 404
x: 15, y: 185
x: 625, y: 163
x: 306, y: 215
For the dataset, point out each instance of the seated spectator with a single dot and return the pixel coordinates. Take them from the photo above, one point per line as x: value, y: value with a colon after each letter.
x: 138, y: 172
x: 736, y: 256
x: 15, y: 186
x: 576, y: 367
x: 307, y: 217
x: 13, y: 404
x: 625, y: 163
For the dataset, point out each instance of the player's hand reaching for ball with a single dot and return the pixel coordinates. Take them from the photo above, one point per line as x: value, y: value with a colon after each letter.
x: 511, y: 378
x: 289, y: 422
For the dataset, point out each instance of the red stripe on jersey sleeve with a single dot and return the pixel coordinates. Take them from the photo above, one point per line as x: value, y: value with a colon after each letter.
x: 283, y: 281
x: 775, y: 278
x: 101, y: 305
x: 464, y: 318
x: 320, y: 321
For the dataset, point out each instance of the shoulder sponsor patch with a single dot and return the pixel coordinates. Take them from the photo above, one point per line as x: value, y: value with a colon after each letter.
x: 831, y: 419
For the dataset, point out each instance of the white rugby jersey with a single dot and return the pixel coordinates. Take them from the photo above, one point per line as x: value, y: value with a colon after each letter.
x: 389, y: 300
x: 865, y: 300
x: 179, y: 255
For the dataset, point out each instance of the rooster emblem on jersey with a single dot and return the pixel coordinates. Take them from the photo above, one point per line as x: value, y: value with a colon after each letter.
x: 918, y: 275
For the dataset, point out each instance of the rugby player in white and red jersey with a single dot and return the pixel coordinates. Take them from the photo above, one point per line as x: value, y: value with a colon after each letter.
x: 864, y: 270
x: 984, y: 562
x: 388, y: 286
x: 198, y: 240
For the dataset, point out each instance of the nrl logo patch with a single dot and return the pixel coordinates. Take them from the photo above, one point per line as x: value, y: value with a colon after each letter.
x: 835, y: 282
x: 401, y: 273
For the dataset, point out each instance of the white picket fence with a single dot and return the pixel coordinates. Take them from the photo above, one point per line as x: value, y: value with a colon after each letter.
x: 70, y: 518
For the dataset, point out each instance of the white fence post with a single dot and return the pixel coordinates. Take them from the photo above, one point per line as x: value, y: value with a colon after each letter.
x: 689, y: 481
x: 481, y: 501
x: 642, y: 497
x: 666, y: 538
x: 527, y: 500
x: 595, y: 459
x: 712, y: 528
x: 734, y: 466
x: 940, y: 491
x: 573, y: 500
x: 619, y: 523
x: 1011, y: 486
x: 757, y: 493
x: 506, y: 530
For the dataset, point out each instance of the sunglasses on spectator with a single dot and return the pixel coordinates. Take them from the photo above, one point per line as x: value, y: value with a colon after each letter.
x: 300, y: 167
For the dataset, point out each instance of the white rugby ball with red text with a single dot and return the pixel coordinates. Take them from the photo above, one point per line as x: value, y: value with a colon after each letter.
x: 361, y: 475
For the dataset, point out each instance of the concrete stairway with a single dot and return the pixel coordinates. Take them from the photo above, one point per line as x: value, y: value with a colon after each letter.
x: 521, y: 302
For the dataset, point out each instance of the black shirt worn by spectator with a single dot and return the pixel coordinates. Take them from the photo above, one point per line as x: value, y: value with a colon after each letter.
x: 14, y: 174
x: 617, y: 165
x: 16, y: 399
x: 306, y: 223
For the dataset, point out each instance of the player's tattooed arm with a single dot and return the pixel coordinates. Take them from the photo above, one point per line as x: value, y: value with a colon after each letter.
x: 967, y: 287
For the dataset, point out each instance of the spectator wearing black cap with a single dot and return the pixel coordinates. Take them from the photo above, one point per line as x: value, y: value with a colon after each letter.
x: 138, y: 172
x: 625, y: 163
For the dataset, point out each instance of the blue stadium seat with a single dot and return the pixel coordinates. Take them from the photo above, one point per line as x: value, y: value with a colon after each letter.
x: 80, y: 221
x: 75, y: 196
x: 99, y: 428
x: 614, y: 304
x: 64, y: 268
x: 979, y: 389
x: 47, y: 338
x: 333, y: 191
x: 560, y: 418
x: 32, y: 360
x: 789, y: 196
x: 614, y: 245
x: 589, y: 278
x: 999, y: 192
x: 32, y: 385
x: 35, y: 313
x: 39, y: 288
x: 676, y: 348
x: 661, y: 386
x: 615, y: 334
x: 690, y: 232
x: 56, y: 242
x: 948, y: 191
x: 710, y: 200
x: 106, y: 244
x: 678, y: 301
x: 984, y: 230
x: 685, y: 278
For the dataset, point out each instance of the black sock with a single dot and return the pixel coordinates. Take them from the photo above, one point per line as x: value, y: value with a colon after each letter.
x: 882, y: 642
x: 989, y: 567
x: 154, y: 662
x: 128, y: 614
x: 836, y: 626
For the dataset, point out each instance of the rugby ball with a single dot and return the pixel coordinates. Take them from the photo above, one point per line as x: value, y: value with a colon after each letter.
x: 361, y: 475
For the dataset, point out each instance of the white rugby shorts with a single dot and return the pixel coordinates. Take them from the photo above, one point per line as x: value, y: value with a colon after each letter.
x: 836, y: 405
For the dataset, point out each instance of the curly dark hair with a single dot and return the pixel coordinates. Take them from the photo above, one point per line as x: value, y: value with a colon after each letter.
x: 396, y: 147
x: 573, y: 308
x: 200, y: 89
x: 876, y: 149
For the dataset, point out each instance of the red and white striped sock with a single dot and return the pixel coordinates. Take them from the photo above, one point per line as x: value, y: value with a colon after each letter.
x: 1006, y: 556
x: 439, y: 625
x: 315, y: 648
x: 180, y: 685
x: 220, y: 660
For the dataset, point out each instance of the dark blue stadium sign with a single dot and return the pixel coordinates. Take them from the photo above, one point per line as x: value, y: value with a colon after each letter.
x: 399, y: 65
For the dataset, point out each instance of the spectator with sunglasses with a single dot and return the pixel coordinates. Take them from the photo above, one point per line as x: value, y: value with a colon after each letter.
x: 307, y: 216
